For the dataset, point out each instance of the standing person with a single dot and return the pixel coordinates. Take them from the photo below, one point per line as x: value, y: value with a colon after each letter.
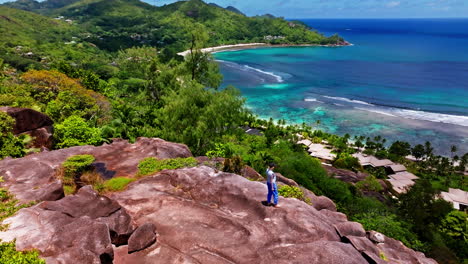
x: 271, y: 184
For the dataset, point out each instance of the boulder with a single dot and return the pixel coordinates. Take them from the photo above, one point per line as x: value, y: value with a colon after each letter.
x: 319, y: 202
x: 251, y: 174
x: 78, y: 228
x: 376, y: 237
x: 32, y: 178
x: 287, y: 181
x: 396, y: 252
x: 345, y: 175
x: 142, y: 238
x: 43, y: 137
x: 33, y: 123
x: 323, y: 202
x: 362, y: 244
x: 27, y: 119
x: 335, y: 217
x: 350, y: 229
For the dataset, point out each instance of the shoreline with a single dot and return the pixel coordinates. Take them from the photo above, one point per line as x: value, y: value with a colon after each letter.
x: 243, y: 46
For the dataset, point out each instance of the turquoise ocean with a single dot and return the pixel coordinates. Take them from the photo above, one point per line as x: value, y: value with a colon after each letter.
x: 403, y: 79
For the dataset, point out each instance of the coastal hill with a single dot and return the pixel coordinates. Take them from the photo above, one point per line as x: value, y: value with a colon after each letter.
x: 195, y: 214
x: 119, y: 24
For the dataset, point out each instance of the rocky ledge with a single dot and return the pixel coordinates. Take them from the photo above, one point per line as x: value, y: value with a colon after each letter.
x: 191, y: 215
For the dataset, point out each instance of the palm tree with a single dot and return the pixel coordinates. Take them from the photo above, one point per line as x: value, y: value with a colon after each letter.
x: 453, y: 149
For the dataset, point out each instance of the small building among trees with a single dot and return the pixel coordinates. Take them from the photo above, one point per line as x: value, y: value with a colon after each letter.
x: 457, y: 197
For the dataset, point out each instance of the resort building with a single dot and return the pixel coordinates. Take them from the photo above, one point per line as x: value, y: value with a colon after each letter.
x: 372, y: 161
x: 396, y: 168
x: 457, y: 197
x: 401, y: 186
x: 320, y: 151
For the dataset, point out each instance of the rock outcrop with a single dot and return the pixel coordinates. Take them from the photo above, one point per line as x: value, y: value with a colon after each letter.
x: 76, y: 229
x: 31, y: 122
x: 206, y: 216
x: 32, y: 178
x: 191, y: 215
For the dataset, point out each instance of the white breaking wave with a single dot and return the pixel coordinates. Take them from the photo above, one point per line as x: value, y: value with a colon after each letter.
x: 247, y: 67
x: 420, y: 115
x: 382, y: 112
x: 310, y: 99
x: 278, y: 78
x: 434, y: 117
x: 347, y: 100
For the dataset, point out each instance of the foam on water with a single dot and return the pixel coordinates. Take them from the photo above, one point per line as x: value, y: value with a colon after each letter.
x: 419, y: 115
x: 278, y: 78
x: 347, y: 100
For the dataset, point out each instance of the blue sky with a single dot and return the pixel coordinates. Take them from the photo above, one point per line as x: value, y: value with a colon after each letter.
x: 345, y: 8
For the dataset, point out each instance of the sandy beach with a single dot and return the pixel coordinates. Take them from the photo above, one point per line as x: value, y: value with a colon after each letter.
x: 255, y: 45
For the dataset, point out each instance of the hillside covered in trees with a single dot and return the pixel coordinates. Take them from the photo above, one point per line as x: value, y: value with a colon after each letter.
x: 104, y: 69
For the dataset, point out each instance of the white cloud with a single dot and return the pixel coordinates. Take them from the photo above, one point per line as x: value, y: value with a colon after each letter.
x: 393, y: 4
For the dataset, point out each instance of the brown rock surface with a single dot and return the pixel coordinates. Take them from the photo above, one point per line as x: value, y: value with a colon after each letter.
x: 251, y: 174
x: 287, y: 181
x: 350, y: 229
x: 201, y: 216
x: 142, y: 238
x: 396, y: 252
x: 75, y: 229
x: 345, y: 175
x: 43, y: 137
x: 208, y: 217
x: 32, y: 177
x: 33, y: 123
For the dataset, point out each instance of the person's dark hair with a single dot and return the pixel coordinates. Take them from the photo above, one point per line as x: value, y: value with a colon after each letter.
x: 271, y: 165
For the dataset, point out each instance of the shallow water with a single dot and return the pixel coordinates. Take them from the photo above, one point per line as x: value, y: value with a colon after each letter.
x: 402, y: 79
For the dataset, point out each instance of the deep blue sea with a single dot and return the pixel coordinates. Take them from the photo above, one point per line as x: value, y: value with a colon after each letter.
x: 404, y: 79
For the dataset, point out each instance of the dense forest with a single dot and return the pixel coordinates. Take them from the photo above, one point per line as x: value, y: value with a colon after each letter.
x: 104, y: 69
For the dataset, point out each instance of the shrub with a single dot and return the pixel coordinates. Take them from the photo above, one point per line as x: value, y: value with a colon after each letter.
x: 9, y: 144
x: 391, y: 226
x: 233, y: 165
x: 75, y: 131
x: 152, y: 165
x: 117, y: 184
x: 9, y: 255
x: 9, y: 206
x: 347, y: 162
x: 72, y: 169
x: 293, y: 192
x: 369, y: 184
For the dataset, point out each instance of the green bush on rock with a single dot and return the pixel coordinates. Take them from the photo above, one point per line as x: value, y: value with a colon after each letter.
x: 293, y: 192
x: 9, y: 255
x: 117, y: 184
x: 72, y: 169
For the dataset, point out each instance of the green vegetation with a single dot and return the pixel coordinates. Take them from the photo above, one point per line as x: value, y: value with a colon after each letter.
x: 10, y: 145
x: 113, y: 72
x: 370, y: 184
x: 117, y: 184
x: 293, y: 192
x: 9, y: 255
x: 72, y: 170
x: 152, y: 165
x: 75, y: 131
